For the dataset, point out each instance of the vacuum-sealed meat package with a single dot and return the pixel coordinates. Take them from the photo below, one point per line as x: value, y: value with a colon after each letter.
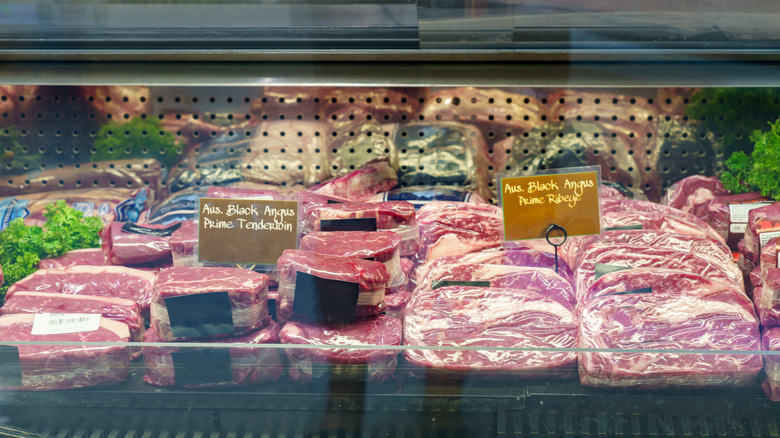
x: 649, y: 280
x: 543, y: 281
x: 638, y: 220
x: 379, y: 246
x: 102, y: 281
x: 576, y: 247
x: 606, y: 257
x: 396, y: 216
x: 127, y: 243
x: 184, y: 245
x: 329, y: 288
x: 763, y: 224
x: 728, y: 215
x: 767, y: 309
x: 117, y: 309
x: 67, y: 360
x: 624, y: 205
x: 694, y: 194
x: 356, y: 139
x: 462, y: 316
x: 450, y: 228
x: 86, y: 256
x: 722, y: 322
x: 770, y: 341
x: 342, y: 363
x: 361, y: 184
x: 179, y: 206
x: 198, y: 303
x: 216, y: 367
x: 769, y: 256
x: 768, y: 304
x: 511, y: 257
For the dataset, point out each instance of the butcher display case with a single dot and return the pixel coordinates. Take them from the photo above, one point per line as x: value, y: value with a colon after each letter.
x: 139, y: 112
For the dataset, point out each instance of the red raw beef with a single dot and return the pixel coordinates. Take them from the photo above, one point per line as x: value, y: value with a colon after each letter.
x: 55, y: 365
x: 379, y: 246
x: 121, y: 247
x: 542, y: 281
x: 184, y: 245
x: 674, y: 321
x: 372, y: 279
x: 117, y: 309
x: 651, y: 280
x: 396, y: 216
x: 247, y: 292
x: 728, y: 215
x: 88, y: 256
x: 511, y: 257
x: 694, y: 194
x: 309, y: 364
x: 247, y: 365
x: 102, y: 281
x: 361, y: 184
x: 768, y: 304
x: 770, y: 341
x: 451, y: 228
x: 461, y: 316
x: 763, y: 225
x: 657, y: 221
x: 635, y: 257
x: 704, y: 247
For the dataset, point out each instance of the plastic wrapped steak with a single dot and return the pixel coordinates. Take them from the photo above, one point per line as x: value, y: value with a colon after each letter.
x: 361, y: 184
x: 215, y: 367
x: 126, y: 243
x: 57, y: 365
x: 342, y: 363
x: 379, y: 246
x: 669, y: 321
x: 461, y: 316
x: 543, y: 281
x: 770, y: 341
x: 196, y: 303
x: 450, y: 228
x: 329, y: 288
x: 117, y: 309
x: 103, y: 281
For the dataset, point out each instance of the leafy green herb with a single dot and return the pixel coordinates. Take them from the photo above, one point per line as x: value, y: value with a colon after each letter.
x: 733, y: 113
x: 22, y: 246
x: 761, y: 170
x: 137, y: 138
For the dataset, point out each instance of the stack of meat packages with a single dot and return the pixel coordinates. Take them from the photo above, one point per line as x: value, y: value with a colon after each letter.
x: 469, y: 292
x: 344, y: 286
x: 661, y: 279
x: 750, y: 223
x: 71, y: 300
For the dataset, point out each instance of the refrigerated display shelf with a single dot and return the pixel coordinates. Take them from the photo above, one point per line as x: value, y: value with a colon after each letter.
x: 406, y: 407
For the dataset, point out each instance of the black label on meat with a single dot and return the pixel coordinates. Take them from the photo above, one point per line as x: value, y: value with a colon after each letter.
x: 626, y: 227
x: 642, y: 290
x: 603, y: 269
x: 370, y: 259
x: 331, y: 201
x: 197, y: 367
x: 130, y: 227
x: 200, y: 315
x: 272, y: 308
x: 324, y: 299
x: 444, y: 283
x: 362, y: 224
x: 10, y: 367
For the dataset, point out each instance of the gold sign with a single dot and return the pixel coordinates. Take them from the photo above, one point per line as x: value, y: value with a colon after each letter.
x: 533, y: 203
x: 246, y: 231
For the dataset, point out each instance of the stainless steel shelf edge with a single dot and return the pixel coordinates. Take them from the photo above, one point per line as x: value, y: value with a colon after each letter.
x: 439, y: 74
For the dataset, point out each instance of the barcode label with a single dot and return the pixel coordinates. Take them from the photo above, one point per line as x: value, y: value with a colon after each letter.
x: 57, y: 323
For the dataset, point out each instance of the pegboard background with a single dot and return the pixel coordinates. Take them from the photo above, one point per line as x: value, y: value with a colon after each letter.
x: 286, y: 136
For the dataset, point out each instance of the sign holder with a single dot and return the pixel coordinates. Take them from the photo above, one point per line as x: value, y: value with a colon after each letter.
x: 550, y: 229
